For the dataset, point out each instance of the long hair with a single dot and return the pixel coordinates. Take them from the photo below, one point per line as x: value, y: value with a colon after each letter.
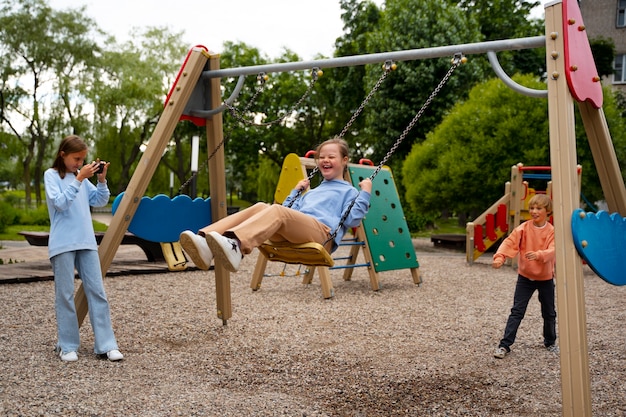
x: 69, y: 144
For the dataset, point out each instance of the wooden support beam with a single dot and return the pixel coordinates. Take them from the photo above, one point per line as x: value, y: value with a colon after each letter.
x: 217, y: 184
x: 575, y: 380
x: 189, y: 74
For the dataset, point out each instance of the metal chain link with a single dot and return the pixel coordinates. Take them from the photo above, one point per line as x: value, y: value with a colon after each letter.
x: 456, y: 61
x: 315, y: 72
x: 261, y: 78
x: 387, y: 68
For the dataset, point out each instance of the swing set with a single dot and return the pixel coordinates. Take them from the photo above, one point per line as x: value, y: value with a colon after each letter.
x: 197, y: 96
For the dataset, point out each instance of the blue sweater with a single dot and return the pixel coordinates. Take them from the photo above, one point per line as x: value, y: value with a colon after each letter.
x: 327, y: 203
x: 68, y: 203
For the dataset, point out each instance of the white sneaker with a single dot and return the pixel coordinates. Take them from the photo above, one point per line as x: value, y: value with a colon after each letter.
x: 226, y: 250
x: 500, y: 353
x: 68, y: 356
x: 115, y: 355
x: 196, y: 247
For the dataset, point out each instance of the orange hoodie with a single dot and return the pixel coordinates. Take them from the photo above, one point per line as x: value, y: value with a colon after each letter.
x: 529, y: 238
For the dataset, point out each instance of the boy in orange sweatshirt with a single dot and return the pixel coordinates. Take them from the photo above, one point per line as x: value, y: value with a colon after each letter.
x: 534, y: 241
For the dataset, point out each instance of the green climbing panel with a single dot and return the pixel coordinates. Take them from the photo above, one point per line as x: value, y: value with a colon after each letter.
x: 385, y: 226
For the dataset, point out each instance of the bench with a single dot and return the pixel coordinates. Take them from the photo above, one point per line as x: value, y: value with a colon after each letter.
x: 449, y: 240
x: 153, y: 250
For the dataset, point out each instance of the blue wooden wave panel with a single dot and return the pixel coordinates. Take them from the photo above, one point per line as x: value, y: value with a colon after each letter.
x: 600, y: 240
x: 163, y: 219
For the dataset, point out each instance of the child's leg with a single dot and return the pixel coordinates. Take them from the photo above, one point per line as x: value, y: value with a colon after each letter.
x: 88, y: 266
x: 548, y: 312
x: 279, y: 223
x: 524, y: 290
x: 67, y: 323
x: 233, y: 220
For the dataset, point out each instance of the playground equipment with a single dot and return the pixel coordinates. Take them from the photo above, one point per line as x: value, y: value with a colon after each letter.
x: 508, y: 212
x: 383, y: 237
x: 196, y: 95
x: 158, y: 219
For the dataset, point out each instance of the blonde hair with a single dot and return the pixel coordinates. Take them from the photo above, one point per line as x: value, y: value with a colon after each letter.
x: 343, y: 146
x: 542, y: 201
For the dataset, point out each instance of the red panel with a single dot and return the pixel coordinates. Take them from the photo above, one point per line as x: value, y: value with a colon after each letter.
x: 198, y: 121
x: 478, y: 238
x: 501, y: 218
x: 490, y: 223
x: 580, y: 68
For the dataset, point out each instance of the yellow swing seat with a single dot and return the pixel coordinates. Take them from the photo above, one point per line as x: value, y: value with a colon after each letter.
x: 310, y: 253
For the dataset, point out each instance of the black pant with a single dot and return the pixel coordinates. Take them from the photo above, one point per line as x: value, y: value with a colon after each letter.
x: 523, y: 292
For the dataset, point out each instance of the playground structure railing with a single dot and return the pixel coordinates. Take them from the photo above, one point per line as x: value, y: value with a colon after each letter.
x: 508, y: 212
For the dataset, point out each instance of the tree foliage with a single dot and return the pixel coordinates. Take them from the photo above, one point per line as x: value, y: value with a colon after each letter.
x: 464, y: 163
x: 43, y: 53
x: 416, y: 24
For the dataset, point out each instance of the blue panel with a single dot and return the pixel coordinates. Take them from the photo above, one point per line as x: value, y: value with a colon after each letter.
x: 162, y: 219
x: 600, y: 240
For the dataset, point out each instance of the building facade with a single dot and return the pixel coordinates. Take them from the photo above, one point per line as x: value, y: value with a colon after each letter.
x: 607, y: 19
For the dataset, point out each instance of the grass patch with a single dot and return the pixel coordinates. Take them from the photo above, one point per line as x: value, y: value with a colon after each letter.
x: 442, y: 226
x: 12, y: 232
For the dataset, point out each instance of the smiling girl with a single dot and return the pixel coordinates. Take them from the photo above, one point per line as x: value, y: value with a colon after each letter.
x: 311, y: 218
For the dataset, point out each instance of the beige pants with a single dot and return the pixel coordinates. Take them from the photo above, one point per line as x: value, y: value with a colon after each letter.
x: 277, y: 223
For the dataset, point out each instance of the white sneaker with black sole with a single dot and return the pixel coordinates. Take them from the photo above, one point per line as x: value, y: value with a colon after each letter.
x: 225, y: 250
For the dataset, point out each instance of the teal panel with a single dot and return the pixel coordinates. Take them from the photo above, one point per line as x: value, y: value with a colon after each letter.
x: 600, y: 239
x: 385, y: 225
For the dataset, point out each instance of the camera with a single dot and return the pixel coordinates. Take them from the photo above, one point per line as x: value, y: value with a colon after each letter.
x: 101, y: 167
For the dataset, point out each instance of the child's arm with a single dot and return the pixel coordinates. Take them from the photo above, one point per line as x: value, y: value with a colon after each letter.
x: 509, y: 248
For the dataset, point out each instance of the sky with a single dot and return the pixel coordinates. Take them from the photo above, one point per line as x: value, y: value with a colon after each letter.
x: 307, y: 27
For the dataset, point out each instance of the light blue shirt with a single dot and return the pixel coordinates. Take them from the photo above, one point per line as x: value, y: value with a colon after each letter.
x: 329, y: 201
x: 69, y: 202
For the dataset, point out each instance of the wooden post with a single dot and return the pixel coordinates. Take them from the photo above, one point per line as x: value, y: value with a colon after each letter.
x: 575, y: 380
x: 217, y: 184
x: 189, y: 74
x: 604, y: 157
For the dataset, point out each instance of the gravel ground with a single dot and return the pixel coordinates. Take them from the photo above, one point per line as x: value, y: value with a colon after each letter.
x: 405, y: 350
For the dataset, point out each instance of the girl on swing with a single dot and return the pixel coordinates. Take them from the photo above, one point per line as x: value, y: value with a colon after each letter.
x: 310, y: 218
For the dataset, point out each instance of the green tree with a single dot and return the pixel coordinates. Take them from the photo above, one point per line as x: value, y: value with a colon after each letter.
x: 464, y: 163
x: 416, y: 24
x: 603, y: 51
x: 128, y: 90
x: 43, y: 53
x: 273, y: 117
x: 509, y: 19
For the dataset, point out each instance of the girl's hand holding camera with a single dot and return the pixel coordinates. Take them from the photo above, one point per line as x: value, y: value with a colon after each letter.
x: 97, y: 167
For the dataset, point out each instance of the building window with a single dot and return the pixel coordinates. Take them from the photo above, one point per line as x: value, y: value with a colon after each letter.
x: 619, y: 75
x: 621, y: 13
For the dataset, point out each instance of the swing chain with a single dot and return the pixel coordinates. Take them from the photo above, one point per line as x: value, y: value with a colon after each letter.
x: 456, y: 61
x: 261, y: 78
x: 388, y: 66
x: 204, y: 164
x: 315, y: 74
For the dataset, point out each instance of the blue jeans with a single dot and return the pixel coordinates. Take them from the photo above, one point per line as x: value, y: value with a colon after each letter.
x: 87, y: 263
x: 524, y: 290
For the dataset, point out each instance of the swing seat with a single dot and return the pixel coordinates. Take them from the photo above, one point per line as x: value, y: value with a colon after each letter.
x: 310, y: 253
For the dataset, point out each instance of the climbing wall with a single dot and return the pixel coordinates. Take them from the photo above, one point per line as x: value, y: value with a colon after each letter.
x: 385, y: 226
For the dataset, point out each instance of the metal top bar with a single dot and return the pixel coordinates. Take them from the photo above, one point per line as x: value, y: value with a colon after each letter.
x: 406, y: 55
